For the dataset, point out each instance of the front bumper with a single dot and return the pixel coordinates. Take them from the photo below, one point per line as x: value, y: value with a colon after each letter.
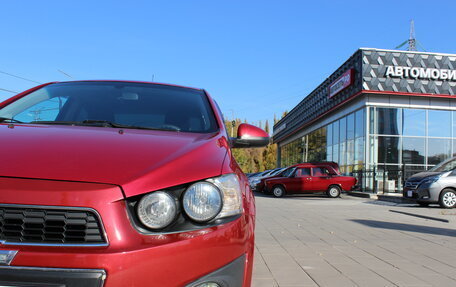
x: 231, y: 274
x: 130, y: 258
x: 427, y: 193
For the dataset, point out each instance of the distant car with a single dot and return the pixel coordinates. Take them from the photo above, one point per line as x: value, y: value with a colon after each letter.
x: 310, y: 178
x: 249, y: 175
x: 259, y: 183
x: 254, y: 181
x: 437, y: 185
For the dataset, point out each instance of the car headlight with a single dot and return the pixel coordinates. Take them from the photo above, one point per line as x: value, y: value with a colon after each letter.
x: 231, y: 192
x: 215, y: 198
x: 157, y: 210
x: 205, y: 203
x: 202, y: 201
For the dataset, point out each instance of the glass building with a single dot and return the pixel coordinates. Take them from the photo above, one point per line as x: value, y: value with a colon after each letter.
x: 382, y: 116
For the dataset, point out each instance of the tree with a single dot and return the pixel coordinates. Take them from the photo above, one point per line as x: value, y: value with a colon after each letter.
x: 254, y: 159
x: 266, y: 126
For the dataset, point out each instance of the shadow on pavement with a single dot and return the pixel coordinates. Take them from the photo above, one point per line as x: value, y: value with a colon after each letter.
x: 406, y: 227
x: 302, y: 196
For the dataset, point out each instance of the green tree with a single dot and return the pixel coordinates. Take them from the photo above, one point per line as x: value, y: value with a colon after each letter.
x: 253, y: 159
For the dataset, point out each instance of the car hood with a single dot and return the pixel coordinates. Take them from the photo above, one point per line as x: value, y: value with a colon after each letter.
x: 422, y: 175
x: 137, y: 160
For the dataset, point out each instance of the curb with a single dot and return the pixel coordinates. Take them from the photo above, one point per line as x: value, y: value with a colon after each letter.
x: 397, y: 198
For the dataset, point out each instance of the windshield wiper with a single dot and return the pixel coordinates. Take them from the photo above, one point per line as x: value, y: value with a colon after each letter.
x: 70, y: 123
x: 104, y: 123
x: 116, y: 125
x: 10, y: 120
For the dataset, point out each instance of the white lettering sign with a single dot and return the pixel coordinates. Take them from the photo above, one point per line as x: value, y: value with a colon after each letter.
x: 420, y: 73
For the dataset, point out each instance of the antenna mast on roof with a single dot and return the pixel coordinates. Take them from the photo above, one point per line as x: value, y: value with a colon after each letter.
x: 412, y: 42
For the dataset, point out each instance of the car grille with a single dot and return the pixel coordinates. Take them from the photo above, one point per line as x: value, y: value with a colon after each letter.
x: 50, y: 226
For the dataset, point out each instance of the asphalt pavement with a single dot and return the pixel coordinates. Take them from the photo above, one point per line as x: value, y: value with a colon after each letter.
x: 312, y: 240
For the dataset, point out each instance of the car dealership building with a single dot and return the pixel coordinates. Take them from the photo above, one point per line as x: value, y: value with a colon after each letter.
x: 382, y: 116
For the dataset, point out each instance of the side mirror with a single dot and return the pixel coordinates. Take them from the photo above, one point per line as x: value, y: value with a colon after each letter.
x: 249, y: 136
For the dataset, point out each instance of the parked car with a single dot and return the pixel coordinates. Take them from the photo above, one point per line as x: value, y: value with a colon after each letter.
x: 437, y: 185
x: 249, y: 175
x: 254, y: 181
x: 258, y: 185
x: 115, y: 183
x: 310, y: 178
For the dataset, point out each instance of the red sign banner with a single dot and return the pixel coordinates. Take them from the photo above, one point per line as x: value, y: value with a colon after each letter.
x: 341, y: 83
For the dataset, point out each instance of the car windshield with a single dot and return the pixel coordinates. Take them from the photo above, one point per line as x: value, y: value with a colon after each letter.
x: 445, y: 165
x: 115, y: 104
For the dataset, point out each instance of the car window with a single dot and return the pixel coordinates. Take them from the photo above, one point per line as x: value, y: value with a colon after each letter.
x: 46, y: 110
x: 447, y: 165
x: 320, y: 171
x: 288, y: 172
x: 303, y: 172
x: 134, y: 104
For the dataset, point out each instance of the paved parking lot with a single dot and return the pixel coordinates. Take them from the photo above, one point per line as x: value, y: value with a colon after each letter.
x: 316, y: 241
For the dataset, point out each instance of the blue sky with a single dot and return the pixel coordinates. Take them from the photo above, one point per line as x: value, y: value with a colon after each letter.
x: 256, y: 58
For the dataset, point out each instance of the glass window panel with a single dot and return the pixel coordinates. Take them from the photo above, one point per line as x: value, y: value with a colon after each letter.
x: 388, y: 121
x: 351, y: 126
x: 413, y: 151
x: 414, y: 122
x: 438, y: 150
x: 454, y: 124
x: 390, y: 179
x: 372, y: 121
x: 343, y: 153
x: 410, y: 170
x: 359, y: 150
x: 322, y: 137
x: 336, y: 132
x: 388, y: 149
x: 329, y: 136
x: 343, y: 129
x: 454, y: 147
x: 329, y: 153
x: 359, y: 123
x: 439, y: 123
x: 335, y: 156
x: 350, y: 152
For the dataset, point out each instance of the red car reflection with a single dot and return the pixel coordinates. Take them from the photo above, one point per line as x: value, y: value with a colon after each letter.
x: 111, y: 183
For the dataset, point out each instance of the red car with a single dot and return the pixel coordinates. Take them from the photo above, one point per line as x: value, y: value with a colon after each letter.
x: 115, y: 184
x: 310, y: 178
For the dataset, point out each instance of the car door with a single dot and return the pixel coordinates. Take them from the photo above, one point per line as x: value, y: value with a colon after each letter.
x: 303, y: 179
x: 289, y: 180
x: 320, y: 179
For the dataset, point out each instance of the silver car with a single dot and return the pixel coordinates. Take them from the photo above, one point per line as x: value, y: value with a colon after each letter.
x: 437, y: 185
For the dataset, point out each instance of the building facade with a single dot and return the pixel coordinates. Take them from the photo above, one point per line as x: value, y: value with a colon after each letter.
x: 382, y: 116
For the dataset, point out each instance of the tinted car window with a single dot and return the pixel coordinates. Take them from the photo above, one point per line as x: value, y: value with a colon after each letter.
x: 135, y: 104
x: 302, y: 172
x: 288, y: 172
x: 320, y: 171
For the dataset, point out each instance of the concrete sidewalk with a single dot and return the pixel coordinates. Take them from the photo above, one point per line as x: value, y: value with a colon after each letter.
x: 317, y: 241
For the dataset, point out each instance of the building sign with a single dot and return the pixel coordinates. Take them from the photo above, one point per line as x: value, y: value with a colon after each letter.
x: 420, y: 73
x: 341, y: 83
x: 279, y: 129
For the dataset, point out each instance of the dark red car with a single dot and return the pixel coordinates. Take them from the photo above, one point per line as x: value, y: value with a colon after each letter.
x: 117, y: 184
x: 310, y: 178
